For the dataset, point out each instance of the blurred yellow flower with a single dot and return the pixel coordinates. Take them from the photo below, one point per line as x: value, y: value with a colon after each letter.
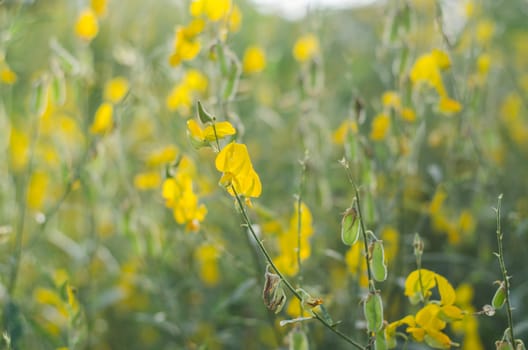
x: 391, y: 238
x: 7, y: 76
x: 115, y: 89
x: 339, y: 136
x: 408, y: 114
x: 179, y: 195
x: 238, y: 173
x: 448, y: 106
x: 235, y: 19
x: 484, y: 31
x: 483, y: 64
x: 186, y: 47
x: 195, y: 80
x: 19, y: 149
x: 147, y: 181
x: 162, y: 156
x: 179, y: 98
x: 380, y: 127
x: 37, y: 190
x: 86, y: 26
x: 356, y: 263
x: 103, y: 120
x: 306, y: 48
x: 288, y: 241
x: 214, y: 10
x: 99, y: 7
x: 391, y: 99
x: 254, y: 60
x: 426, y: 70
x: 207, y: 256
x: 181, y: 95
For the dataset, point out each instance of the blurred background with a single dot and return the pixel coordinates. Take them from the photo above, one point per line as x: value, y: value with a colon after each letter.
x: 425, y: 99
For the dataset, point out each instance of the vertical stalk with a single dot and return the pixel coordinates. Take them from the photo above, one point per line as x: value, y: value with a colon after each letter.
x: 505, y: 276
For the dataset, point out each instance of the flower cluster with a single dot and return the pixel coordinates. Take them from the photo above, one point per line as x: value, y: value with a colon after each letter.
x: 114, y: 92
x: 428, y: 324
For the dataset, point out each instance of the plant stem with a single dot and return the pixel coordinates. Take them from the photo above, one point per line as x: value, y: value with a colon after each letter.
x: 505, y: 276
x: 363, y: 230
x: 299, y: 222
x: 282, y: 277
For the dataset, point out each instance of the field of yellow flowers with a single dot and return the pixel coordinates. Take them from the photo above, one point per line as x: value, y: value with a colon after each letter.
x: 201, y: 174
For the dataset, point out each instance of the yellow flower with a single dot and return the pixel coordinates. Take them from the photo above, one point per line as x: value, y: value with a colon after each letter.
x: 306, y: 48
x: 408, y: 114
x: 356, y: 264
x: 483, y: 64
x: 339, y: 136
x: 186, y: 47
x: 207, y: 256
x: 180, y: 197
x: 211, y: 132
x: 235, y: 19
x: 380, y: 127
x: 484, y: 31
x: 449, y: 106
x: 179, y: 98
x: 99, y: 7
x: 37, y: 190
x: 254, y: 60
x: 19, y: 149
x: 162, y: 156
x: 195, y: 80
x: 103, y: 120
x: 391, y: 99
x: 238, y: 173
x: 427, y: 69
x: 7, y: 76
x: 116, y: 89
x: 437, y: 202
x: 147, y: 181
x: 391, y: 238
x: 87, y: 27
x: 214, y: 9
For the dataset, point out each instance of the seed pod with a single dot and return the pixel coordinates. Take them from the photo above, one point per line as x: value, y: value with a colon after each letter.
x: 350, y: 226
x: 298, y: 340
x: 203, y: 114
x: 377, y: 261
x: 503, y: 345
x: 273, y: 293
x: 39, y: 96
x: 379, y: 342
x: 373, y: 310
x: 500, y: 296
x: 519, y: 345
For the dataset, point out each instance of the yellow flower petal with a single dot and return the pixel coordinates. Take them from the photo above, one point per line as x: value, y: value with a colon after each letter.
x: 116, y: 89
x: 103, y: 120
x: 254, y: 60
x: 87, y: 27
x: 306, y: 48
x: 380, y: 127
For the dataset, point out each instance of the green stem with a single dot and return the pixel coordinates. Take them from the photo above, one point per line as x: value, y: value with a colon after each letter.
x: 282, y: 277
x: 299, y: 222
x: 17, y: 255
x: 372, y: 286
x: 505, y: 276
